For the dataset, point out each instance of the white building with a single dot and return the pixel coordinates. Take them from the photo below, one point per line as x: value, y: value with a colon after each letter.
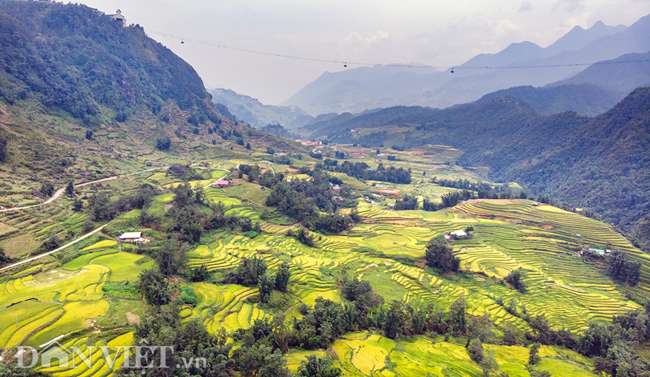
x: 131, y: 237
x: 118, y: 17
x: 458, y: 234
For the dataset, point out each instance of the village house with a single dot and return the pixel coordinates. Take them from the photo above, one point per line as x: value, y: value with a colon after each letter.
x: 457, y: 235
x: 220, y: 183
x: 310, y: 142
x: 131, y: 237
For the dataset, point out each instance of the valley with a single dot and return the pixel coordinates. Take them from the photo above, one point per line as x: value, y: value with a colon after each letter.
x: 54, y: 297
x: 149, y: 227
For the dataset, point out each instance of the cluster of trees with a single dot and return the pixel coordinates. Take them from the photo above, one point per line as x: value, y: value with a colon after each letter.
x: 516, y: 279
x: 361, y: 170
x: 623, y: 269
x: 183, y: 172
x: 163, y: 143
x: 303, y: 236
x: 191, y: 216
x: 464, y: 184
x: 209, y: 355
x: 410, y: 202
x: 101, y: 207
x: 407, y: 202
x: 303, y: 200
x: 440, y: 255
x: 252, y: 272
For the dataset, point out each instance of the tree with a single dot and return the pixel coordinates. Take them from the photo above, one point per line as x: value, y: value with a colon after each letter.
x: 317, y: 367
x: 266, y: 284
x: 89, y: 135
x: 248, y: 272
x: 198, y: 274
x: 47, y: 189
x: 4, y: 259
x: 543, y: 332
x: 516, y: 279
x: 511, y: 335
x: 260, y: 361
x: 456, y: 317
x: 163, y: 144
x: 69, y: 189
x: 171, y: 258
x: 439, y: 255
x: 78, y: 205
x: 154, y: 287
x: 3, y: 150
x: 623, y: 269
x: 533, y: 355
x: 475, y: 350
x: 282, y: 277
x: 394, y: 321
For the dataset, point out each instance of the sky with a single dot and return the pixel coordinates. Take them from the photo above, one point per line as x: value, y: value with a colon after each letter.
x: 432, y: 32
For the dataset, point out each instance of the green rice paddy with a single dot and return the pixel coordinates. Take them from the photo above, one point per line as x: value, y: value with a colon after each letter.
x: 386, y: 249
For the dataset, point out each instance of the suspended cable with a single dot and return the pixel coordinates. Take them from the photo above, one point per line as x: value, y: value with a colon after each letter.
x: 345, y: 63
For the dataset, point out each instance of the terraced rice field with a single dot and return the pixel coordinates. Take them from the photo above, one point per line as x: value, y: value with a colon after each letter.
x: 387, y: 250
x: 366, y: 354
x: 21, y: 232
x: 61, y: 303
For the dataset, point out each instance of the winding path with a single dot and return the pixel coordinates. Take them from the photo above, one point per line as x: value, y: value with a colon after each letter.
x: 60, y: 191
x: 55, y: 250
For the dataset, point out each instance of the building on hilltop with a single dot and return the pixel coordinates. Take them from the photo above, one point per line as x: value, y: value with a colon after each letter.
x: 118, y: 17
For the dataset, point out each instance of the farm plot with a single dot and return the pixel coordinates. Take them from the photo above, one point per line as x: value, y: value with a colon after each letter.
x: 225, y: 306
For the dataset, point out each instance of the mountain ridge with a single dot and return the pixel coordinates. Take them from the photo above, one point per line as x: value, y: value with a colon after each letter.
x: 354, y: 91
x: 558, y: 154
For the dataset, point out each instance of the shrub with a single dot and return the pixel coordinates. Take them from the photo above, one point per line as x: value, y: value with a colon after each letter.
x: 188, y: 296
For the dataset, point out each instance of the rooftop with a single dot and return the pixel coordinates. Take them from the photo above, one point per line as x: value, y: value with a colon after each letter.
x: 131, y: 235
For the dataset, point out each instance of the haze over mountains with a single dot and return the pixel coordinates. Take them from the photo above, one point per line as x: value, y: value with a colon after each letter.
x: 253, y: 112
x: 519, y: 64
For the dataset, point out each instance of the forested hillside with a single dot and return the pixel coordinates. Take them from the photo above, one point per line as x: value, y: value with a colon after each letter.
x: 601, y: 163
x: 83, y: 98
x: 78, y: 59
x: 585, y: 99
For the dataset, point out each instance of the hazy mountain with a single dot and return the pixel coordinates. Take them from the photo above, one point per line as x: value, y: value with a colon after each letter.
x: 255, y: 113
x: 579, y: 37
x: 585, y: 99
x: 519, y: 64
x: 364, y: 88
x: 620, y: 75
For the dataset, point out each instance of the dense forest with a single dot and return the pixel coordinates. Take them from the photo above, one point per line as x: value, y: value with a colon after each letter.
x: 600, y: 163
x: 77, y: 59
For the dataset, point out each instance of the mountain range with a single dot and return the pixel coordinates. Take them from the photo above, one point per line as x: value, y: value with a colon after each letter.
x: 252, y: 111
x: 601, y: 162
x: 519, y: 64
